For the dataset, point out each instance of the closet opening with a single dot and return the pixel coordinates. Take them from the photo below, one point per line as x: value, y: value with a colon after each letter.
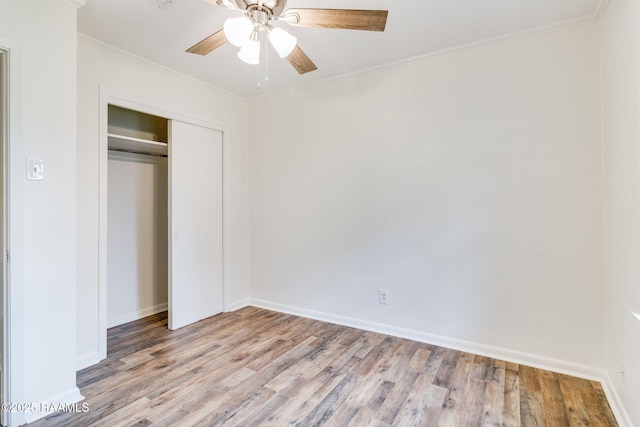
x: 137, y: 223
x: 161, y: 228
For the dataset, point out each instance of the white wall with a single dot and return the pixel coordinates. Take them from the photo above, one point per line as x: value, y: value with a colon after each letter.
x: 621, y: 96
x: 100, y: 68
x: 43, y: 34
x: 137, y: 260
x: 468, y: 185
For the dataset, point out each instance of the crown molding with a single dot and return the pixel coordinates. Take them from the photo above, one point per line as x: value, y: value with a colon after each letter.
x: 84, y: 38
x: 454, y: 50
x: 76, y: 3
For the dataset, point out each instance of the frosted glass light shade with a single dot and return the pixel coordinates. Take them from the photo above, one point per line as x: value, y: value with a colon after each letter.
x: 283, y: 42
x: 250, y: 52
x: 238, y: 30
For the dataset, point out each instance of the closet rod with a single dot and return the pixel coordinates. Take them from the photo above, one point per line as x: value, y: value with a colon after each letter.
x: 144, y: 153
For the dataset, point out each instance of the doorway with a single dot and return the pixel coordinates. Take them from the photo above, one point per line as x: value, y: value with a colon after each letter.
x: 3, y: 270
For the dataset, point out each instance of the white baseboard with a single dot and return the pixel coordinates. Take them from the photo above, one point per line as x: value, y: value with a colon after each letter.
x: 69, y: 400
x: 139, y: 314
x: 615, y: 402
x: 88, y: 360
x: 533, y: 360
x: 237, y: 305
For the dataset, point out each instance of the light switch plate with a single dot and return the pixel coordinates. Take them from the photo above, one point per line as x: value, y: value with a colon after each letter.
x: 35, y: 170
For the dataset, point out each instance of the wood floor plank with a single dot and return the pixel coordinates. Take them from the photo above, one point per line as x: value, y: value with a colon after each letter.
x: 532, y: 408
x: 419, y: 360
x: 397, y: 397
x: 433, y: 364
x: 323, y: 411
x: 309, y: 366
x: 600, y: 405
x: 233, y: 414
x: 343, y: 364
x: 493, y: 405
x: 375, y: 360
x: 261, y: 414
x: 423, y: 405
x: 401, y: 359
x: 298, y: 406
x: 555, y: 409
x: 447, y: 367
x: 511, y: 415
x: 474, y: 398
x: 365, y: 417
x: 125, y: 416
x: 370, y: 341
x: 512, y: 366
x: 255, y: 367
x: 530, y: 378
x: 576, y: 410
x: 452, y: 414
x: 380, y: 395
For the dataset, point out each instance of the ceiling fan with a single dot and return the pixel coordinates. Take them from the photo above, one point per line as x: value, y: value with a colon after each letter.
x: 244, y: 31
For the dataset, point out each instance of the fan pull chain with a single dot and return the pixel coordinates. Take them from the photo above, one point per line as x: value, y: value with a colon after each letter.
x: 266, y: 68
x: 266, y: 63
x: 259, y: 71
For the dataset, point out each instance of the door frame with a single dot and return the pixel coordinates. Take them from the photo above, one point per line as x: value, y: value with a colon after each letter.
x: 112, y: 97
x: 13, y: 169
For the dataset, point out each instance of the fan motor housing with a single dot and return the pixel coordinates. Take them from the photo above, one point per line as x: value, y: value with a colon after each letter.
x: 274, y: 6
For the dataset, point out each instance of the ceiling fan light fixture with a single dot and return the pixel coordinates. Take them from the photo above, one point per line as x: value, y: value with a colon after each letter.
x: 250, y: 50
x: 282, y: 41
x: 238, y: 30
x: 244, y: 32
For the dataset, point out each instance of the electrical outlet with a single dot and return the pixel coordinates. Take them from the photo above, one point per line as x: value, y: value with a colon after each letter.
x: 383, y: 296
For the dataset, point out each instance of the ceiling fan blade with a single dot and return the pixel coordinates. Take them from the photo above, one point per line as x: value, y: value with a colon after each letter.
x: 301, y: 61
x: 209, y: 44
x: 351, y: 19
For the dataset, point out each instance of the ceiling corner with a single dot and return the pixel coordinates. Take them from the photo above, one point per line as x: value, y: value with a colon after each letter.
x: 76, y: 3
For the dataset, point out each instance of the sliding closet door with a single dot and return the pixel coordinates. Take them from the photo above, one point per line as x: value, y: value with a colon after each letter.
x: 195, y: 223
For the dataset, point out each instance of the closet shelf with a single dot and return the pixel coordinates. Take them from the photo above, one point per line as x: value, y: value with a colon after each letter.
x: 129, y: 143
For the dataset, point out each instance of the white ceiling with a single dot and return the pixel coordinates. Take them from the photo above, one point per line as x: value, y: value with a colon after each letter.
x: 414, y: 28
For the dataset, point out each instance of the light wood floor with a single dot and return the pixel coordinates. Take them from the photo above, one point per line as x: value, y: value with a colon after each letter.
x: 258, y: 367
